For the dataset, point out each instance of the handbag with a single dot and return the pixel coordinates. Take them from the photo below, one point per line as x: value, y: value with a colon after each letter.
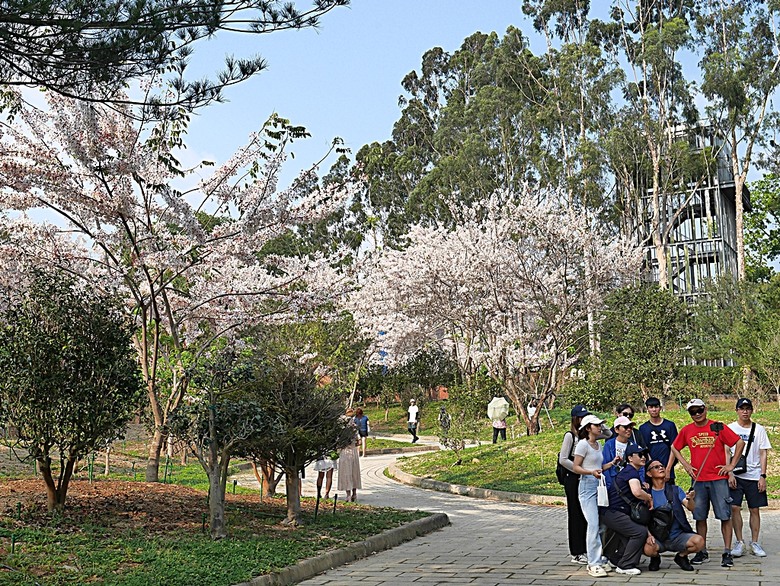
x: 639, y: 512
x: 601, y: 493
x: 741, y: 466
x: 562, y: 473
x: 661, y: 519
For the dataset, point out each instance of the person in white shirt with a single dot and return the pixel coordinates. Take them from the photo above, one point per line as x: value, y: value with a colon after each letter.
x: 752, y: 483
x: 413, y: 412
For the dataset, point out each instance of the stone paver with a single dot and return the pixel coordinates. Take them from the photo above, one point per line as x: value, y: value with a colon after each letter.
x: 495, y: 543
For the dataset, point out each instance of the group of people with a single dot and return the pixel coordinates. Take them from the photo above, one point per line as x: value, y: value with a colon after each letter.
x: 348, y: 462
x: 727, y: 464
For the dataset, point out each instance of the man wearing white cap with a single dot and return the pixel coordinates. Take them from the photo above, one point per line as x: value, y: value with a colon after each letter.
x: 706, y: 440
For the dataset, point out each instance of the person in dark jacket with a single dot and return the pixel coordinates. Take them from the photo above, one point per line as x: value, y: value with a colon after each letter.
x: 682, y: 537
x: 627, y: 489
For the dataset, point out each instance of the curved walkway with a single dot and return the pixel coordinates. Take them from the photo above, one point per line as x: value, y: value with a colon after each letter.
x: 492, y: 543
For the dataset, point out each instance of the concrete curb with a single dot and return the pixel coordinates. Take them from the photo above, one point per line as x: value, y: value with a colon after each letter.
x: 482, y: 493
x: 311, y: 567
x: 499, y: 495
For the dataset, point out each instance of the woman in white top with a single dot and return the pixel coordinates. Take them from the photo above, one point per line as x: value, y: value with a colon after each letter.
x: 587, y: 463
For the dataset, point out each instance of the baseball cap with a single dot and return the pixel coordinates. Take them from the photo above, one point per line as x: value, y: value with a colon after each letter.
x: 588, y: 419
x: 695, y: 403
x: 653, y: 402
x: 579, y: 411
x: 411, y: 401
x: 624, y: 421
x: 634, y: 449
x: 743, y: 402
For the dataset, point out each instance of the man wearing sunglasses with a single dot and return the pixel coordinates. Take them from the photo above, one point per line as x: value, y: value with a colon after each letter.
x: 706, y: 441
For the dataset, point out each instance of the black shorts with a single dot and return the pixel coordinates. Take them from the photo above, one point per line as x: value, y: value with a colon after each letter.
x: 362, y: 433
x: 748, y: 489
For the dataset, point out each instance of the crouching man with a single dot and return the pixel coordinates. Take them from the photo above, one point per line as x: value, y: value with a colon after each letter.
x: 682, y: 537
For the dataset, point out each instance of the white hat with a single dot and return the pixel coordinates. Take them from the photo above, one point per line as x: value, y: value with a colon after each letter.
x: 411, y: 400
x: 622, y: 420
x: 588, y: 419
x: 695, y: 403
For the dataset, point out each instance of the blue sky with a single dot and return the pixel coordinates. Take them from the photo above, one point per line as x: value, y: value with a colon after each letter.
x: 342, y: 80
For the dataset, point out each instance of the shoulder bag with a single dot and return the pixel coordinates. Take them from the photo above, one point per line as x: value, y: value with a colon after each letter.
x: 741, y: 466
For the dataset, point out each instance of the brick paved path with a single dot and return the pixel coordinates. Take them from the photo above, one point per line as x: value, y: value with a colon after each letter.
x: 492, y: 543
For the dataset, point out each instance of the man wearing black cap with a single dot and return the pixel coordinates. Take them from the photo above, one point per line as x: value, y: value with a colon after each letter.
x: 658, y: 435
x: 750, y: 484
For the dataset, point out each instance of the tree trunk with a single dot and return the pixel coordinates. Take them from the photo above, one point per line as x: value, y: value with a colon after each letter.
x: 268, y: 481
x: 56, y: 495
x: 293, y: 497
x: 217, y: 526
x: 153, y: 464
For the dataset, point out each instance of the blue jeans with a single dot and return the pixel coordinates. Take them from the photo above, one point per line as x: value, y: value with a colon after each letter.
x: 590, y: 508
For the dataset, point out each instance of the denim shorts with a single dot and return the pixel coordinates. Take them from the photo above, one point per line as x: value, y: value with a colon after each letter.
x: 748, y: 489
x: 715, y: 492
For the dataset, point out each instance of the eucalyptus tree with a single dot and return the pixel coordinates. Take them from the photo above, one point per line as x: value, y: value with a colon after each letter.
x: 741, y: 74
x: 466, y: 129
x: 658, y: 109
x: 762, y: 228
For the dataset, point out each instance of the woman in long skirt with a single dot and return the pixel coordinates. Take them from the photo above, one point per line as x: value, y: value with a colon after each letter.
x: 349, y: 467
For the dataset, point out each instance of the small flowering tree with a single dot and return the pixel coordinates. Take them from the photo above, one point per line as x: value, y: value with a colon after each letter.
x: 189, y: 264
x: 504, y: 289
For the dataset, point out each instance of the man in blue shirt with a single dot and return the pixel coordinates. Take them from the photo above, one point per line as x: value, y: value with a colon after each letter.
x: 682, y: 538
x: 658, y: 435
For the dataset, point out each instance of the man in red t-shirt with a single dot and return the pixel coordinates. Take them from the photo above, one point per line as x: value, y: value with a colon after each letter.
x: 706, y: 440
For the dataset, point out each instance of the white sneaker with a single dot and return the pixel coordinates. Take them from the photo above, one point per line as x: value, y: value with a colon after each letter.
x: 757, y: 549
x: 596, y: 571
x: 579, y: 559
x: 629, y: 571
x: 738, y: 550
x: 607, y: 566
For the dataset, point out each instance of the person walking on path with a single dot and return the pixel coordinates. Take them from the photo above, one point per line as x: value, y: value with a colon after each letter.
x: 363, y: 428
x: 681, y: 538
x: 587, y: 463
x: 627, y: 486
x: 706, y: 441
x: 750, y: 484
x: 658, y: 435
x: 499, y: 428
x: 349, y: 466
x: 324, y: 467
x: 413, y: 412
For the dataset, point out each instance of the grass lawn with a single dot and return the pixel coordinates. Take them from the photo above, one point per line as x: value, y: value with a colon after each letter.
x: 527, y: 464
x: 121, y: 531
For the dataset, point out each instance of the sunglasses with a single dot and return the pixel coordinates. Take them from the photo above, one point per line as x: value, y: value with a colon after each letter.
x: 656, y: 466
x: 696, y: 410
x: 628, y: 414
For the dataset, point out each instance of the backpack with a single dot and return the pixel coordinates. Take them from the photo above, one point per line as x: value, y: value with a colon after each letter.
x: 562, y: 473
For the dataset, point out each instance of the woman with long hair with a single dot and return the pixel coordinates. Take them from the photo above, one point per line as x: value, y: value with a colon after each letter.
x: 571, y: 483
x: 588, y: 464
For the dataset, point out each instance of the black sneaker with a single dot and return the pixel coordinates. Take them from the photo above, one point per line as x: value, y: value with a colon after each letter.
x: 727, y: 561
x: 683, y: 562
x: 700, y: 558
x: 655, y: 563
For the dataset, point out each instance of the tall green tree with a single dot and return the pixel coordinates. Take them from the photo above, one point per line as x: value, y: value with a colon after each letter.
x: 762, y: 228
x: 70, y: 381
x: 643, y: 340
x: 740, y: 76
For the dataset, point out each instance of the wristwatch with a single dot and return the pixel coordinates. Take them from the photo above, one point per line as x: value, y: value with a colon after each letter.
x: 763, y: 476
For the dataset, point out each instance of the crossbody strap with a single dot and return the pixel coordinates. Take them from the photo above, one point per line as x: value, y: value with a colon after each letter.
x: 750, y: 439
